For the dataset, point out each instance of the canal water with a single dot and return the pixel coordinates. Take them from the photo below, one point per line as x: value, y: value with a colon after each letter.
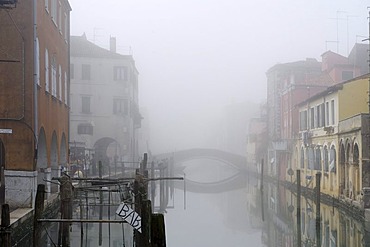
x: 246, y: 217
x: 219, y: 206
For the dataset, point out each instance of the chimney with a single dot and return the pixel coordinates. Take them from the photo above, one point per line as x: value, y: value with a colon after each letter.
x: 113, y: 46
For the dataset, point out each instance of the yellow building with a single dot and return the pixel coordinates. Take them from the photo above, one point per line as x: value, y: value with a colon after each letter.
x: 334, y: 125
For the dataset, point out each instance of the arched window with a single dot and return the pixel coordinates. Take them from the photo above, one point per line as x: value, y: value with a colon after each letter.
x: 332, y: 160
x: 318, y: 165
x: 311, y: 158
x: 302, y: 158
x: 326, y: 159
x: 356, y: 155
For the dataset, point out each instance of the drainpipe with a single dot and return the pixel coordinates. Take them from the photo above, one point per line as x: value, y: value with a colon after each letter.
x: 35, y: 61
x: 69, y: 85
x: 35, y: 100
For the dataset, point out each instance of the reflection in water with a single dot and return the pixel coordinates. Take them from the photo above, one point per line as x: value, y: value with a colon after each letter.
x: 334, y: 227
x: 204, y: 171
x: 234, y: 218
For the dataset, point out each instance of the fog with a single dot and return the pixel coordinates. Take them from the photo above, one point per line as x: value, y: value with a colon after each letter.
x: 195, y: 58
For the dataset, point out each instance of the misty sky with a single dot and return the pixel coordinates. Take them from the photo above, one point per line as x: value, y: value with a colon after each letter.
x: 198, y: 55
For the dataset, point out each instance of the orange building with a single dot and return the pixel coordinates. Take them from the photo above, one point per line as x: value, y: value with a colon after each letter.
x: 34, y: 96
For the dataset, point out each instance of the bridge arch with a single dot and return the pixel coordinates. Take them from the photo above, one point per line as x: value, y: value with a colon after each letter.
x: 236, y: 181
x: 235, y: 160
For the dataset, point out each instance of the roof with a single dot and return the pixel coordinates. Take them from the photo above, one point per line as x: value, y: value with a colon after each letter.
x: 308, y: 63
x: 332, y: 89
x: 81, y: 47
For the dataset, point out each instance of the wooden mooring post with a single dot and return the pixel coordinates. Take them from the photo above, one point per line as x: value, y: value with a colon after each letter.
x: 318, y: 206
x: 299, y: 232
x: 100, y: 207
x: 39, y: 209
x: 66, y: 197
x: 261, y: 191
x: 5, y: 226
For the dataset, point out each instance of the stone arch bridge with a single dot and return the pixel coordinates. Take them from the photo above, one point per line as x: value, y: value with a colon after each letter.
x: 175, y: 161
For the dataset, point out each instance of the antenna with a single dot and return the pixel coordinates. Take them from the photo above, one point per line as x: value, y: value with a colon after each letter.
x: 95, y: 35
x: 337, y: 20
x: 348, y: 16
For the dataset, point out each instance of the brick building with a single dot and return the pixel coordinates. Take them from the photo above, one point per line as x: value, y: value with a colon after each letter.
x: 34, y: 105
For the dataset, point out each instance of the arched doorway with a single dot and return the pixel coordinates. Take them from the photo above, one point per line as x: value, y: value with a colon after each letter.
x: 2, y: 175
x: 42, y: 160
x: 54, y: 161
x: 107, y: 150
x: 63, y: 157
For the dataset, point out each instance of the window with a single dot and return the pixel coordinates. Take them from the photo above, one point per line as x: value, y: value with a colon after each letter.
x: 120, y: 73
x: 327, y: 114
x: 322, y: 116
x: 303, y: 120
x: 37, y: 65
x: 120, y: 106
x: 65, y: 27
x: 85, y: 129
x: 311, y: 157
x: 60, y: 18
x: 65, y: 88
x: 60, y: 82
x: 332, y: 112
x: 326, y: 159
x: 317, y: 116
x: 318, y: 159
x: 332, y: 160
x: 312, y: 119
x: 85, y: 104
x: 72, y: 71
x: 86, y: 71
x: 356, y: 155
x: 47, y: 70
x: 54, y: 11
x: 302, y: 158
x: 53, y: 77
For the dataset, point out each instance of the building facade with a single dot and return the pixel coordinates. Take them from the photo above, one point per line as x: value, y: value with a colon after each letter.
x: 34, y: 105
x: 287, y: 85
x: 104, y: 102
x: 334, y: 129
x: 291, y: 83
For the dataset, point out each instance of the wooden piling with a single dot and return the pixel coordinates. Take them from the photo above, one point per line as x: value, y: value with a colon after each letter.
x: 100, y: 207
x: 318, y: 206
x: 158, y: 231
x: 137, y: 235
x: 39, y: 208
x: 261, y: 192
x: 5, y: 226
x: 299, y: 232
x: 66, y: 197
x: 146, y: 219
x: 152, y: 185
